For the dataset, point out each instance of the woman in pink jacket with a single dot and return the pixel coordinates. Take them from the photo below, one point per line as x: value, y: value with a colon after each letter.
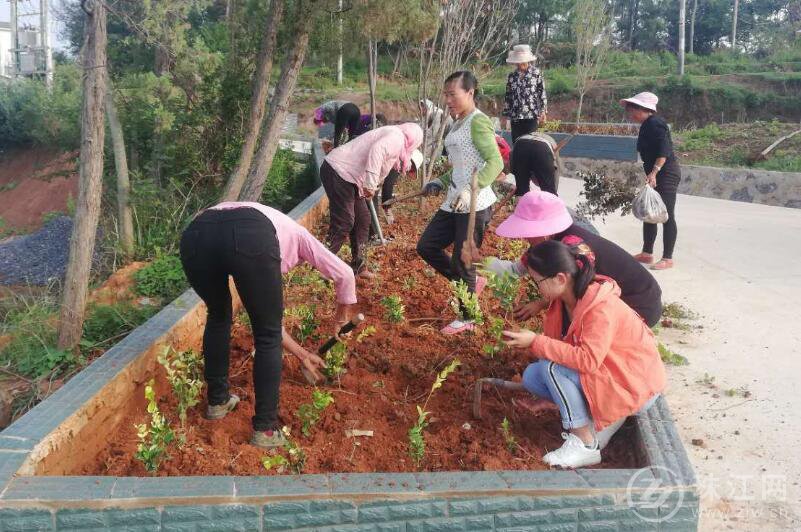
x: 353, y: 172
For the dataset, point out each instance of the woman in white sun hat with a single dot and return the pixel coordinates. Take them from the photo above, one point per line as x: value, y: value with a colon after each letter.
x: 526, y: 100
x: 662, y: 172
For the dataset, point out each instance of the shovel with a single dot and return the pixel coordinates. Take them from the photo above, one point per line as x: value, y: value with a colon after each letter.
x: 410, y: 195
x: 331, y: 342
x: 497, y: 383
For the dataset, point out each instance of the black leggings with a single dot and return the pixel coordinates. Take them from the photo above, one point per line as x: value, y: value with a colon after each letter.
x: 669, y: 232
x: 521, y: 127
x: 347, y: 120
x: 241, y: 243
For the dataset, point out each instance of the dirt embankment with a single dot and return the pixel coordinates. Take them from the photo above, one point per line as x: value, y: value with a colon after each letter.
x: 34, y: 182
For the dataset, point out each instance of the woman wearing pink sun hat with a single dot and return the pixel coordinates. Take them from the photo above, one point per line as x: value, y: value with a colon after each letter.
x: 541, y: 216
x: 662, y: 172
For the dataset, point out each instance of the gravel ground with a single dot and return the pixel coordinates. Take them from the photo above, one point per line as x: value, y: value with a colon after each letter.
x: 39, y: 257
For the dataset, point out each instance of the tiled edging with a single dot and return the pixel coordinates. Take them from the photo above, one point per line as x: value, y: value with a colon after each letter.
x: 504, y: 500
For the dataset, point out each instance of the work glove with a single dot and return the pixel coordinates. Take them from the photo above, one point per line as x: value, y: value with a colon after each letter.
x: 432, y: 188
x: 461, y: 203
x: 507, y: 185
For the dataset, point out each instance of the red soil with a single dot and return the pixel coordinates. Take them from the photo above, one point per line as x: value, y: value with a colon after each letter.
x: 388, y: 374
x: 34, y: 182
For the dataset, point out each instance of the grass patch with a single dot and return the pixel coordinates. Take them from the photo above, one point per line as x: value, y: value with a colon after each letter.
x: 163, y: 278
x: 671, y: 358
x: 105, y: 325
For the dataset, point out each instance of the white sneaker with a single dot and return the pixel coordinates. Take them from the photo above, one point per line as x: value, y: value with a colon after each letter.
x: 573, y: 453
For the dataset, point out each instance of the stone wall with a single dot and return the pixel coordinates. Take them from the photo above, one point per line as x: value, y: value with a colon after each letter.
x: 781, y: 189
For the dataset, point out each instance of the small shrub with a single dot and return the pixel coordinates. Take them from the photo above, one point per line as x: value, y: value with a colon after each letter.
x: 365, y: 333
x: 296, y: 457
x: 335, y: 360
x: 309, y: 413
x: 466, y: 302
x: 185, y: 375
x: 393, y: 308
x: 154, y: 437
x: 511, y: 248
x: 603, y: 196
x: 495, y: 331
x: 504, y: 287
x: 307, y: 322
x: 105, y: 325
x: 163, y: 278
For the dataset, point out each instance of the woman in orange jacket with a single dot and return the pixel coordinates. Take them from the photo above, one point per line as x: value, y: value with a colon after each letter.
x: 598, y: 360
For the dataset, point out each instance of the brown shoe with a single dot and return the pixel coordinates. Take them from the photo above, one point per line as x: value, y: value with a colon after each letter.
x: 220, y: 411
x: 663, y: 264
x: 644, y: 258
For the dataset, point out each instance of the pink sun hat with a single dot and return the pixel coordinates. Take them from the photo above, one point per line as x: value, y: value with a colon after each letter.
x: 537, y: 214
x: 646, y: 100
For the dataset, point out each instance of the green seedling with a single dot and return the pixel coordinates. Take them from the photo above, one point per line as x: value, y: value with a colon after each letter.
x: 495, y: 331
x: 154, y: 437
x: 465, y: 302
x: 511, y: 442
x: 417, y: 443
x: 409, y: 283
x: 742, y: 391
x: 671, y: 358
x: 367, y: 332
x: 504, y: 287
x: 310, y: 413
x: 393, y: 308
x: 295, y: 458
x: 185, y: 375
x: 243, y: 318
x: 307, y: 322
x: 511, y: 249
x: 707, y: 380
x: 335, y: 360
x: 532, y: 290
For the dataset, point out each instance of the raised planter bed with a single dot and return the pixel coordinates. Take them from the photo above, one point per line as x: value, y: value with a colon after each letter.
x: 67, y: 433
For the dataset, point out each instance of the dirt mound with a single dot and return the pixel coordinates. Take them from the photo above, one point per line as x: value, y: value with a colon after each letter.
x: 388, y: 375
x: 34, y: 182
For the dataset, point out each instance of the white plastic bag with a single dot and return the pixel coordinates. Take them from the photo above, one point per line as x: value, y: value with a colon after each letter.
x: 649, y: 207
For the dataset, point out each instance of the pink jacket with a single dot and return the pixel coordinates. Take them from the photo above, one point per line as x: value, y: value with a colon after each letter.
x: 298, y: 246
x: 366, y: 160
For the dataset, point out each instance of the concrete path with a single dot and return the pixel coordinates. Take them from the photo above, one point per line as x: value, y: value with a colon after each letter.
x: 738, y: 402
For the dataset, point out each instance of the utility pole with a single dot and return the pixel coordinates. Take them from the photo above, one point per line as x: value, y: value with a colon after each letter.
x: 341, y: 37
x: 682, y: 23
x: 44, y: 32
x: 14, y: 40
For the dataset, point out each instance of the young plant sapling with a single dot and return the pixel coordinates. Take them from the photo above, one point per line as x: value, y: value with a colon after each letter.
x: 335, y: 360
x: 504, y: 287
x: 495, y: 332
x: 309, y: 413
x: 393, y: 308
x: 511, y: 442
x: 465, y: 302
x: 154, y: 437
x: 417, y: 444
x: 185, y: 375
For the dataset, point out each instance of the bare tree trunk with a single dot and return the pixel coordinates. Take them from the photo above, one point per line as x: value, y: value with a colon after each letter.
x: 682, y: 24
x: 692, y: 26
x: 123, y: 179
x: 734, y: 24
x: 371, y: 75
x: 578, y: 111
x: 634, y: 21
x: 258, y: 100
x: 278, y: 109
x: 90, y: 184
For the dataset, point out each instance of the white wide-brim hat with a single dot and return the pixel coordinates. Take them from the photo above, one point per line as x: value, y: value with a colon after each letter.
x: 646, y: 100
x: 521, y: 53
x: 417, y: 159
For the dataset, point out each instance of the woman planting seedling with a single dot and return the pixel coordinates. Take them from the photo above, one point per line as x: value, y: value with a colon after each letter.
x: 353, y: 172
x: 255, y: 245
x: 541, y: 216
x: 472, y: 151
x: 598, y: 360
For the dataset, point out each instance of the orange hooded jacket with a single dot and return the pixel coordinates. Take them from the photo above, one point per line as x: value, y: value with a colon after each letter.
x: 611, y: 348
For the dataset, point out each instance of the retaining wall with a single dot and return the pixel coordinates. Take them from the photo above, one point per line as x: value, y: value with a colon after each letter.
x: 781, y: 189
x: 38, y: 446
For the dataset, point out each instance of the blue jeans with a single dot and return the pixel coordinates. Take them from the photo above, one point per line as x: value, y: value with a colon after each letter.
x: 561, y: 386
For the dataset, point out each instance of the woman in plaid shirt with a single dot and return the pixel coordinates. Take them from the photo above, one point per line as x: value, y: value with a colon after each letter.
x: 526, y: 100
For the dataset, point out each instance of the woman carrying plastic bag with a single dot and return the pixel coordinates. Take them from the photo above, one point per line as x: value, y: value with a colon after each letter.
x: 663, y: 175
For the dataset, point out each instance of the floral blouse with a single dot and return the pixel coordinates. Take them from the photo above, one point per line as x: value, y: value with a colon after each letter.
x: 525, y: 95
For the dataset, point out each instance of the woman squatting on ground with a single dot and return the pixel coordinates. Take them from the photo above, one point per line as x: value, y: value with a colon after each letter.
x: 598, y: 361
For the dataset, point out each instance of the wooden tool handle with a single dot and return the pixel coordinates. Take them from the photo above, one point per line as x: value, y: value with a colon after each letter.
x: 392, y: 201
